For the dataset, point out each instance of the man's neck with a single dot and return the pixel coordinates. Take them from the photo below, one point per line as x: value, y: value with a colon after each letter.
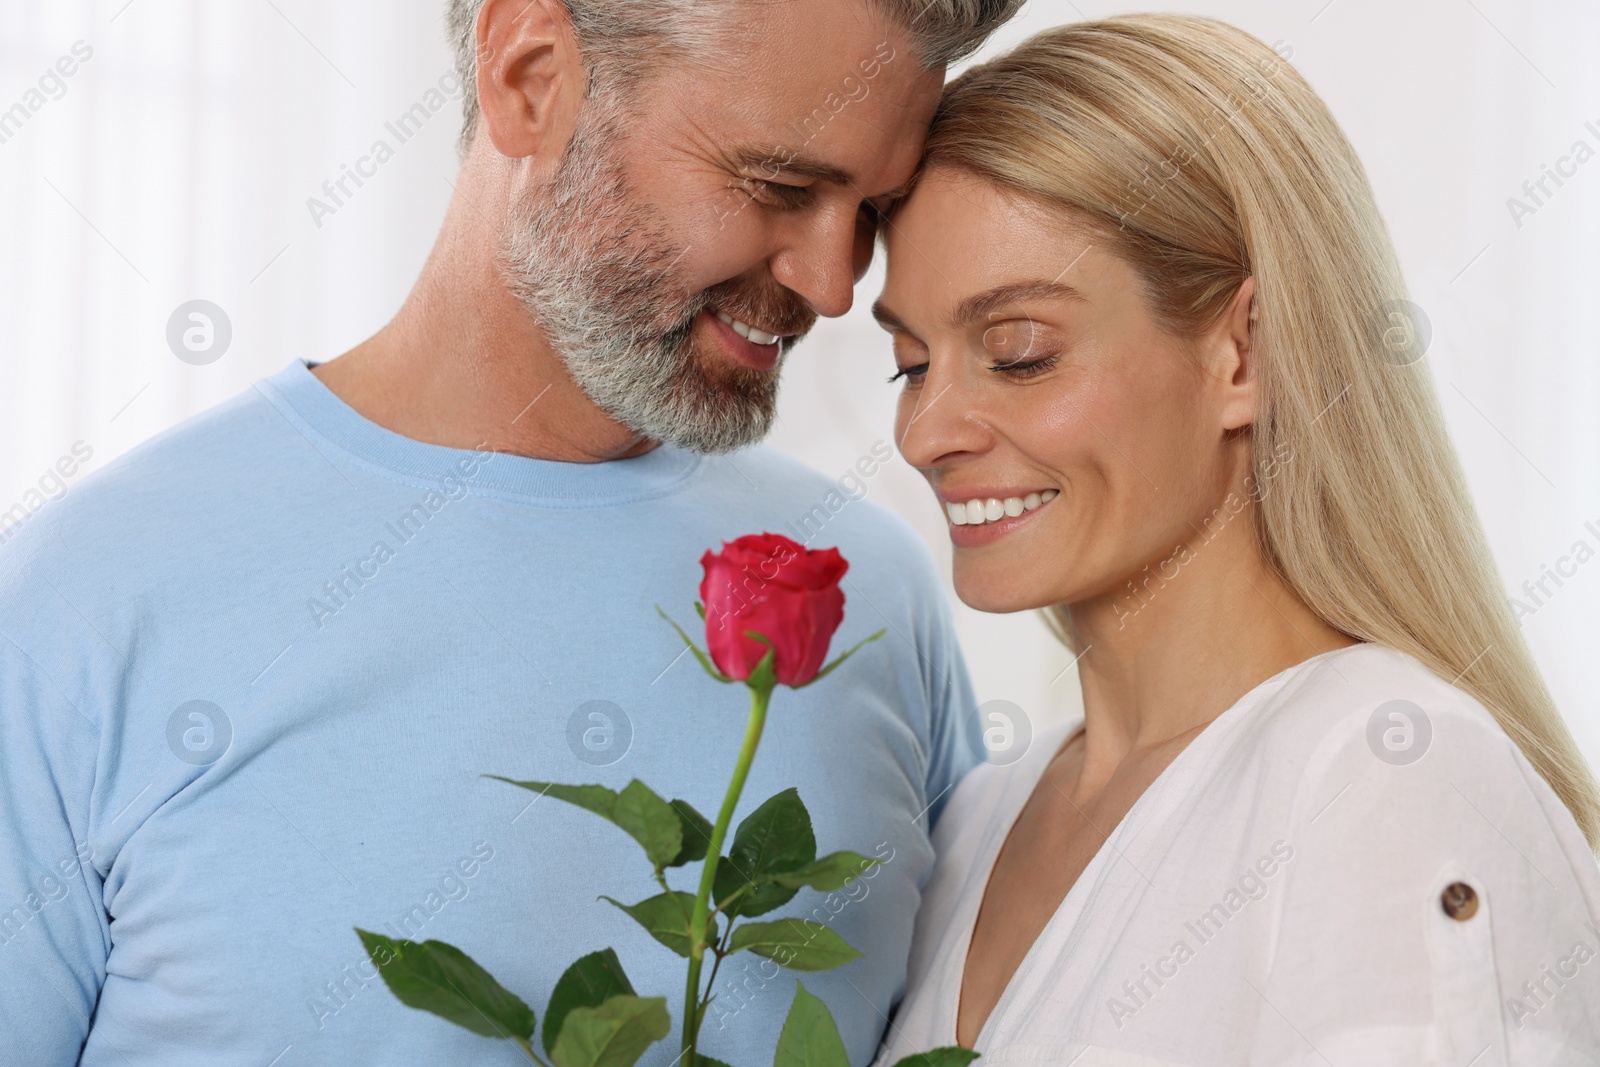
x: 463, y: 364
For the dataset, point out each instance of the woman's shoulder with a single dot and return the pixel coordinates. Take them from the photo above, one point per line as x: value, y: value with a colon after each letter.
x: 1432, y: 868
x: 1369, y: 740
x: 1369, y: 704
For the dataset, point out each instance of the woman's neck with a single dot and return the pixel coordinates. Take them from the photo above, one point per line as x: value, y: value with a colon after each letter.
x: 1183, y: 640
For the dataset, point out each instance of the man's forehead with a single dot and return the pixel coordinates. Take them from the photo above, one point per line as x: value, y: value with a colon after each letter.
x: 855, y: 125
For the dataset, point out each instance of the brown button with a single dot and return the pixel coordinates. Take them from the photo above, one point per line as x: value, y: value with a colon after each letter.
x: 1459, y: 901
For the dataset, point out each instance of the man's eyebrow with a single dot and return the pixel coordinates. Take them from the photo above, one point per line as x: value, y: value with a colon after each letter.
x: 981, y: 305
x: 774, y: 161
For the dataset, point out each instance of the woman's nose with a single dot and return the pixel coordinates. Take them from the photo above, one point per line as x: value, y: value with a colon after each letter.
x: 940, y: 421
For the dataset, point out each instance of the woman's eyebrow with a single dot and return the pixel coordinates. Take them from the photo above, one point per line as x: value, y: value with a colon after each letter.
x: 980, y: 305
x: 888, y: 319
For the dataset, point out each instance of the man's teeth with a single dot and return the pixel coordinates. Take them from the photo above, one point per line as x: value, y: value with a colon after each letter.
x: 978, y: 512
x: 747, y: 331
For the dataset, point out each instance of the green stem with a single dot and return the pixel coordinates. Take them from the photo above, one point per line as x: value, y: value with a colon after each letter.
x: 721, y: 951
x: 760, y: 697
x: 527, y: 1049
x: 711, y: 984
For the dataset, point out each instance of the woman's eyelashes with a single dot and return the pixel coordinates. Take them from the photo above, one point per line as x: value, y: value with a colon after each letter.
x: 1026, y: 368
x: 1020, y: 369
x: 1012, y: 345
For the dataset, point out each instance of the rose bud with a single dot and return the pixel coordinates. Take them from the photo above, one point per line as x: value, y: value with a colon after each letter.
x: 776, y: 587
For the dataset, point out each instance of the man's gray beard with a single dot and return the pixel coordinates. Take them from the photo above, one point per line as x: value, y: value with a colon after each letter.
x: 595, y: 269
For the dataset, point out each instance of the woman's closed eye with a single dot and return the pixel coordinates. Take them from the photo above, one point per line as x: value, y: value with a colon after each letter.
x: 1026, y: 368
x: 910, y: 357
x: 1022, y: 368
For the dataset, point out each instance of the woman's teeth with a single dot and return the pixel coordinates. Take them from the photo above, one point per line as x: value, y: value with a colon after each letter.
x: 978, y: 512
x: 747, y: 331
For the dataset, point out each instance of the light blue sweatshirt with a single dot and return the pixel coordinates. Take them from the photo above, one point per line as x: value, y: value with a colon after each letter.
x: 252, y: 671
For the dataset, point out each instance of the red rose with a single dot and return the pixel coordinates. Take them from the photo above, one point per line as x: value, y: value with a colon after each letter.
x: 770, y: 585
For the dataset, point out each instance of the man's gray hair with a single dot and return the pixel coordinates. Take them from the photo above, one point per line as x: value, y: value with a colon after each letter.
x: 616, y: 35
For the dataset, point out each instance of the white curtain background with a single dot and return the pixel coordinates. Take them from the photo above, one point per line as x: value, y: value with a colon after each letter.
x: 176, y: 162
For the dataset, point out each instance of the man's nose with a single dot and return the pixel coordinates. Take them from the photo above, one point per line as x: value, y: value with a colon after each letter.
x: 817, y: 261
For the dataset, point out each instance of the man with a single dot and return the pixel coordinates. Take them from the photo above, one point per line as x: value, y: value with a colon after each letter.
x: 251, y: 673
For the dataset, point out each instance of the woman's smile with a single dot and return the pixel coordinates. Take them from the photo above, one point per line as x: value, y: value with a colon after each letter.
x: 981, y: 515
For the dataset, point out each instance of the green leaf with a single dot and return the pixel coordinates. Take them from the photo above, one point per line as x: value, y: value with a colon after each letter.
x: 666, y: 917
x: 833, y: 871
x: 764, y: 675
x: 829, y: 669
x: 696, y: 834
x: 650, y: 821
x: 615, y: 1034
x: 638, y: 810
x: 799, y: 944
x: 949, y: 1056
x: 775, y: 838
x: 809, y: 1037
x: 705, y: 661
x: 588, y: 983
x: 440, y: 978
x: 737, y: 895
x: 595, y: 798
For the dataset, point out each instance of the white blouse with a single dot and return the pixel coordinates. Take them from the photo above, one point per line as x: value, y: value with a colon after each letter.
x: 1353, y: 865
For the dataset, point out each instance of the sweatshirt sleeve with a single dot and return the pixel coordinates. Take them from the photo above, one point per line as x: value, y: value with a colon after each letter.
x: 54, y: 934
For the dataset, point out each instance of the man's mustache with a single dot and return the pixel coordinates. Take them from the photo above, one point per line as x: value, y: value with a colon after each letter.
x: 770, y: 308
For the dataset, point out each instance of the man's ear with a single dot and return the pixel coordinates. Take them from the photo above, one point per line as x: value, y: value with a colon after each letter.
x: 531, y: 79
x: 1235, y: 359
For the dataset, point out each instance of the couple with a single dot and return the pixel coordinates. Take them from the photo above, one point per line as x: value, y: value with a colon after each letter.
x: 1153, y: 359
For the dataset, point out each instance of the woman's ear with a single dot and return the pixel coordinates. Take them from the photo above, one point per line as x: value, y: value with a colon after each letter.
x: 1235, y: 363
x: 531, y: 79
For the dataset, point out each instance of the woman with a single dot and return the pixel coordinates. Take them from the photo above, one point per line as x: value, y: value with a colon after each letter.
x: 1320, y: 808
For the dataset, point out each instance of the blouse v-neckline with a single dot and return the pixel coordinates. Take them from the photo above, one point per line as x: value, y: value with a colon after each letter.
x: 1013, y: 801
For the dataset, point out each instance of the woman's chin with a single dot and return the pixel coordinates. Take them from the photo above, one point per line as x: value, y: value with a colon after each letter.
x: 985, y: 595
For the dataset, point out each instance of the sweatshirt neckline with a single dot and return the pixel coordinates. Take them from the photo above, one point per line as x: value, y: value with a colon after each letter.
x: 314, y: 409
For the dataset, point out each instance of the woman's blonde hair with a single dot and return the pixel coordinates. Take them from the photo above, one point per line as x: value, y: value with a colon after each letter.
x: 1202, y: 157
